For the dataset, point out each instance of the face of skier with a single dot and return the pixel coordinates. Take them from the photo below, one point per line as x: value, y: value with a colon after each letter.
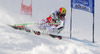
x: 61, y: 16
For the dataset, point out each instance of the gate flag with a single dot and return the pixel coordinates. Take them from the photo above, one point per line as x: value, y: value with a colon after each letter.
x: 86, y: 5
x: 27, y: 10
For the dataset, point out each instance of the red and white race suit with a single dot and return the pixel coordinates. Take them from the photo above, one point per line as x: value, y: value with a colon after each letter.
x: 52, y: 26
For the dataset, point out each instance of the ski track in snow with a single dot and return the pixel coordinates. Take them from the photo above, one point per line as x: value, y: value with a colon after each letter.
x: 20, y: 42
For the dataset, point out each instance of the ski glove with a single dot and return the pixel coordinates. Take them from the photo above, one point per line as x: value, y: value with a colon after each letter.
x: 60, y: 29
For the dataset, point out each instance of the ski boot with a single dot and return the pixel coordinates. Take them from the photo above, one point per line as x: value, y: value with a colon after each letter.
x: 59, y: 37
x: 37, y: 32
x: 20, y: 27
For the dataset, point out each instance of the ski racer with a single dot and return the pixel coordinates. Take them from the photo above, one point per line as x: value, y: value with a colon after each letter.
x: 54, y: 23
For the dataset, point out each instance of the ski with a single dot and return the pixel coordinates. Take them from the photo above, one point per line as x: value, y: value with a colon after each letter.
x: 20, y: 28
x: 35, y: 32
x: 56, y: 36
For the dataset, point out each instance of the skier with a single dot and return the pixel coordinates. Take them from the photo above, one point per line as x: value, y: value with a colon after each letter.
x: 54, y: 23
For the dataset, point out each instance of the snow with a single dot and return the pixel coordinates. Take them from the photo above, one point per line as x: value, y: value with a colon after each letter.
x: 20, y: 42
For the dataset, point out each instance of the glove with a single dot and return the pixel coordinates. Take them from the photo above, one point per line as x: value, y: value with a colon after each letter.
x: 60, y: 29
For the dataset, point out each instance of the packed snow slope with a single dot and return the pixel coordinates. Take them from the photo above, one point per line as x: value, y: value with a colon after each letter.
x: 20, y: 42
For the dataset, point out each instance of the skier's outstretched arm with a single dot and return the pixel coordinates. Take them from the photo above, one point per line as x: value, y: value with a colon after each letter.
x: 62, y: 25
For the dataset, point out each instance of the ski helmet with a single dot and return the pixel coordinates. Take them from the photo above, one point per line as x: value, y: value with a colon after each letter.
x: 62, y: 12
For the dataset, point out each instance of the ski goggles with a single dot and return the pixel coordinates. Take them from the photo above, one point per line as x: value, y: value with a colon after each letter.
x: 61, y: 15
